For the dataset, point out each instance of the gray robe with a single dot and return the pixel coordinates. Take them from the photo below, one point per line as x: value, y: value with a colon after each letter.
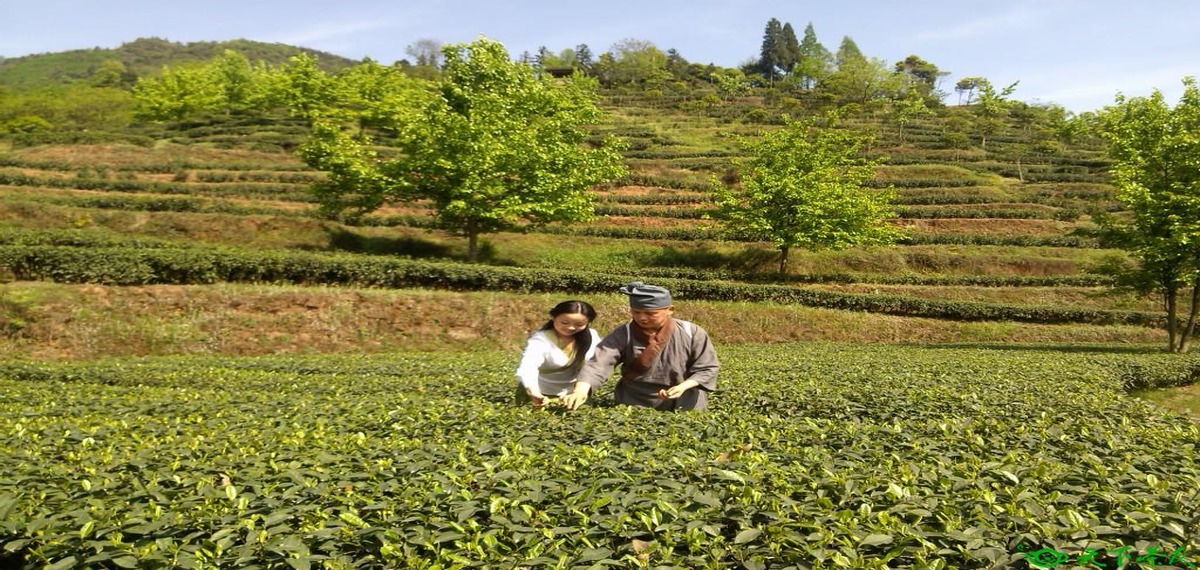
x: 688, y: 355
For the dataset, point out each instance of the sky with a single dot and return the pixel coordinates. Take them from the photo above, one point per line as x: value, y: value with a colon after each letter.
x: 1075, y: 53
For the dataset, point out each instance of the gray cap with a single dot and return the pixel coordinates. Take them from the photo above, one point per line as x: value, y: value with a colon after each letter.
x: 643, y: 296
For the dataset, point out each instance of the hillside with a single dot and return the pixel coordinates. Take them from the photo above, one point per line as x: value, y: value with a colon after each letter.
x: 140, y: 57
x: 1000, y: 235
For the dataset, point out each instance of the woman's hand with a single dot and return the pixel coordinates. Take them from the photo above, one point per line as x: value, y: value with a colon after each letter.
x: 536, y: 397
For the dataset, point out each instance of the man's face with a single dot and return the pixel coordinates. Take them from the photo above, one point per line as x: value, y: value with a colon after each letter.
x: 651, y: 319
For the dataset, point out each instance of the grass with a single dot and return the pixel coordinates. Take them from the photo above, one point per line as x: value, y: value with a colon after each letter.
x: 90, y: 321
x: 1182, y: 399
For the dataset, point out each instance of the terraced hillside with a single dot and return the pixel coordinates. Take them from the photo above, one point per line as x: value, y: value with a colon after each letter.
x: 204, y: 372
x: 1000, y: 235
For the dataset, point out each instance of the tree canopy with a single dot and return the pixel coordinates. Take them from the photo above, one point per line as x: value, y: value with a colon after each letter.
x: 493, y: 144
x: 1156, y: 153
x: 803, y: 188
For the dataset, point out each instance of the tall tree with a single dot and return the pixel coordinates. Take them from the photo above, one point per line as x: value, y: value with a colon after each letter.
x: 495, y: 145
x: 788, y: 48
x: 848, y: 53
x: 178, y: 93
x: 991, y: 108
x: 923, y: 76
x: 1156, y: 169
x: 859, y: 79
x: 768, y: 60
x: 632, y: 61
x: 425, y: 52
x: 676, y: 65
x: 814, y: 62
x: 802, y: 187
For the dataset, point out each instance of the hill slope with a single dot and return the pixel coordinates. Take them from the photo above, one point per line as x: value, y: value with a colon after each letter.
x: 140, y: 57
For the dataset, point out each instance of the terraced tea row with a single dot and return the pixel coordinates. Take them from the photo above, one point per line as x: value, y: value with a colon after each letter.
x: 813, y: 456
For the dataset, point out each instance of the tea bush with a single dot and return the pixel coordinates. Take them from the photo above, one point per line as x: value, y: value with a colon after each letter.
x: 811, y: 456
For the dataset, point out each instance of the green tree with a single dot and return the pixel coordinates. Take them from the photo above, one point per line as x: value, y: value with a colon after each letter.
x: 495, y: 145
x: 859, y: 79
x: 769, y: 64
x: 178, y: 93
x: 237, y: 79
x: 907, y: 108
x: 583, y: 57
x: 923, y: 76
x: 779, y: 51
x: 368, y: 93
x: 802, y: 187
x: 991, y: 108
x: 306, y: 89
x: 633, y: 62
x: 1156, y: 169
x: 814, y: 62
x: 788, y: 48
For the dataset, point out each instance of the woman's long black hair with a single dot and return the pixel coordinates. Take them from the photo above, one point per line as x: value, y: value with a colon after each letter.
x: 583, y: 338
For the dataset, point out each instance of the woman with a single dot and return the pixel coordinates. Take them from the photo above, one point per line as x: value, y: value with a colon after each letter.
x: 555, y: 352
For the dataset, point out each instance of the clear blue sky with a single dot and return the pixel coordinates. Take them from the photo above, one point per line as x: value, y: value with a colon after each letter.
x: 1075, y: 53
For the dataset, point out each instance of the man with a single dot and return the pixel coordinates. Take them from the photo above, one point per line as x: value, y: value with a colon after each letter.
x: 666, y: 363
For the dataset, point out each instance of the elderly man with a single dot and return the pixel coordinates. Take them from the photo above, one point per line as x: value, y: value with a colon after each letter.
x: 666, y: 363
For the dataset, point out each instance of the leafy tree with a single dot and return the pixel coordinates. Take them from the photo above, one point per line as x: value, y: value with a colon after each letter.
x: 731, y: 83
x: 425, y: 52
x: 111, y: 73
x: 633, y: 62
x: 779, y: 51
x: 583, y: 57
x: 369, y: 93
x: 924, y: 76
x: 859, y: 79
x: 802, y: 187
x: 676, y: 65
x: 237, y: 80
x: 991, y: 108
x: 1156, y: 169
x: 814, y: 62
x: 967, y: 85
x: 178, y: 93
x: 496, y: 144
x: 768, y: 62
x: 305, y: 88
x: 911, y: 106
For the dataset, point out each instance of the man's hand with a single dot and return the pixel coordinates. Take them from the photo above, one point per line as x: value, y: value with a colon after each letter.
x: 577, y: 397
x: 677, y: 390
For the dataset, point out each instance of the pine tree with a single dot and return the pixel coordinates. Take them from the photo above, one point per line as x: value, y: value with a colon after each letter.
x: 814, y: 61
x: 768, y: 61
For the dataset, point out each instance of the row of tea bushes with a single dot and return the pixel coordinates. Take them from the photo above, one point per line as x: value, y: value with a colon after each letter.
x: 811, y: 456
x: 131, y: 266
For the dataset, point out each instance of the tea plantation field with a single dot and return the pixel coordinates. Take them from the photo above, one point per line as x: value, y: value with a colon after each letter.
x: 812, y: 456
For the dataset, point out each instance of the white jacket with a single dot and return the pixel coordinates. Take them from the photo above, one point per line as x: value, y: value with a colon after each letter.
x: 543, y: 361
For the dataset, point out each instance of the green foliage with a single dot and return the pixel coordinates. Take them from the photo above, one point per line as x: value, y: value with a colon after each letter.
x: 134, y: 266
x: 66, y: 108
x: 1156, y: 153
x: 818, y: 456
x: 142, y: 57
x: 496, y: 145
x: 802, y: 188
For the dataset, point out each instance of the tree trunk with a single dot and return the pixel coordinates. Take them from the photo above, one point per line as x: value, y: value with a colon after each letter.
x: 783, y: 255
x: 472, y: 230
x: 1185, y: 338
x: 1171, y: 295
